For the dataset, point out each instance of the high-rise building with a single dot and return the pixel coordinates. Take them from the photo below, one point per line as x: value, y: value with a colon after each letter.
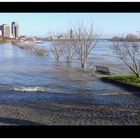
x: 11, y: 31
x: 0, y: 30
x: 6, y: 30
x: 0, y: 33
x: 71, y: 34
x: 15, y: 29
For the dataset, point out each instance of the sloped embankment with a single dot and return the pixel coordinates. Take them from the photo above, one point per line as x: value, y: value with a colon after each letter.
x: 128, y: 82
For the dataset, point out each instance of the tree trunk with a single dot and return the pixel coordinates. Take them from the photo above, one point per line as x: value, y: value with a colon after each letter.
x: 137, y: 75
x: 85, y: 65
x: 57, y: 58
x: 82, y: 64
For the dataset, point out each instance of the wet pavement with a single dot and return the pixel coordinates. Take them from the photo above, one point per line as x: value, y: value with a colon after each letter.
x: 48, y: 108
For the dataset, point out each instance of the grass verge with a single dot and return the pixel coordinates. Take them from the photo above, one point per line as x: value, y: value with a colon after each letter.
x: 128, y: 79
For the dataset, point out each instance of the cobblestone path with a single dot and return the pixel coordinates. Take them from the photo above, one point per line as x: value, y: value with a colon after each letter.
x: 70, y: 109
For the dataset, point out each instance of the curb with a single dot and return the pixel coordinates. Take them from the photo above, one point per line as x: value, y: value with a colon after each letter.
x: 126, y: 86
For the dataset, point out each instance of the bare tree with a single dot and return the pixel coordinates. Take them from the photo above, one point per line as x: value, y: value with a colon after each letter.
x: 83, y: 41
x: 56, y: 48
x: 128, y: 52
x: 68, y: 51
x: 67, y: 48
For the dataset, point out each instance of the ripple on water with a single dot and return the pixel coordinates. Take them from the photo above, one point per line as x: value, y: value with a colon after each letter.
x: 29, y: 79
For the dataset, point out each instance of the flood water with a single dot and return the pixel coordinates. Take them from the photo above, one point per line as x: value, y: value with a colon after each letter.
x: 23, y: 71
x: 21, y: 68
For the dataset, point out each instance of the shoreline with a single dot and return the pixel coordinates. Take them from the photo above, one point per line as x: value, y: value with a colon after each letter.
x: 89, y: 102
x: 66, y: 109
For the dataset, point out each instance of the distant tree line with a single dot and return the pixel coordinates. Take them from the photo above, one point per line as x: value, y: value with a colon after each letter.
x: 128, y: 38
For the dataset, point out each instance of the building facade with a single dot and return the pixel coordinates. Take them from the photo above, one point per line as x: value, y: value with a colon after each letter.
x: 15, y: 29
x: 71, y: 33
x: 11, y: 31
x: 6, y: 30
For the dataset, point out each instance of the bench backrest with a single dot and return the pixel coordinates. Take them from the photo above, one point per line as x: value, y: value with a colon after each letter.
x: 102, y: 69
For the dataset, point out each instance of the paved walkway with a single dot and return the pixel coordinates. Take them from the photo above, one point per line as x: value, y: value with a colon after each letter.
x: 70, y: 110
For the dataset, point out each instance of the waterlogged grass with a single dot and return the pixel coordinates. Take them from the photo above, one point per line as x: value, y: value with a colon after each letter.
x: 3, y: 42
x: 33, y: 49
x: 128, y: 79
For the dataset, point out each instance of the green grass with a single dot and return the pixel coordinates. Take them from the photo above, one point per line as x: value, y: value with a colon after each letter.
x: 128, y: 79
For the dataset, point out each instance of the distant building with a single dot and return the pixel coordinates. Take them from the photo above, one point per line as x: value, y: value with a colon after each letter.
x: 54, y: 37
x: 15, y: 29
x: 22, y: 36
x: 6, y: 30
x: 60, y: 37
x: 71, y: 34
x: 11, y: 31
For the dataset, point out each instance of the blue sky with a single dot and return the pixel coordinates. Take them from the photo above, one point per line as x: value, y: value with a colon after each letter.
x: 43, y: 24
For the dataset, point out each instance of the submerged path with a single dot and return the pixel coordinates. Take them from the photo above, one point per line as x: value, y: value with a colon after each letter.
x: 48, y: 108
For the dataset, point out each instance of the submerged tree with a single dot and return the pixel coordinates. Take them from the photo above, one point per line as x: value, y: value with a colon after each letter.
x: 83, y: 41
x: 56, y: 48
x: 68, y: 52
x: 128, y: 52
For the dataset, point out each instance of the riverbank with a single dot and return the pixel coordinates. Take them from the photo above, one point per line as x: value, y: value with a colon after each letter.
x: 129, y: 82
x: 128, y: 79
x: 39, y: 90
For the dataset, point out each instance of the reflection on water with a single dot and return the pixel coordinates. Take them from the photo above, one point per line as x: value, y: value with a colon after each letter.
x: 8, y: 52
